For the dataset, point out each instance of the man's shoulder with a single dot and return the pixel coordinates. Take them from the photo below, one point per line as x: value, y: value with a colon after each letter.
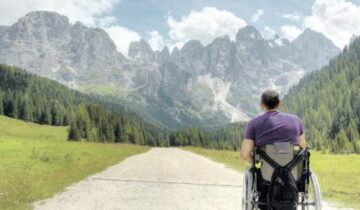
x: 291, y: 116
x: 257, y: 119
x: 283, y: 115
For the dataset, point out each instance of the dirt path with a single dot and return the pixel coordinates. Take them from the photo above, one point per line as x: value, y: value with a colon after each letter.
x: 161, y: 179
x: 157, y: 180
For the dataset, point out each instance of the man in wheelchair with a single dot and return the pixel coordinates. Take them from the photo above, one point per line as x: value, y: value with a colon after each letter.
x: 279, y: 177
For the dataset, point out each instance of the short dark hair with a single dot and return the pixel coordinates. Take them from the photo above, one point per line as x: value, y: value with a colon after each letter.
x: 270, y: 98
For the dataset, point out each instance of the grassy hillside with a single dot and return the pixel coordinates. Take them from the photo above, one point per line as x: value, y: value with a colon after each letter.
x: 37, y: 160
x: 339, y: 175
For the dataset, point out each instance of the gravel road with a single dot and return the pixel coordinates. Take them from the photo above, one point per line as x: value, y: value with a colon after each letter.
x: 161, y: 179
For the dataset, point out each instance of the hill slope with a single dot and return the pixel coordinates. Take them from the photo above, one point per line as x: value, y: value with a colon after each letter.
x: 329, y: 103
x: 32, y: 98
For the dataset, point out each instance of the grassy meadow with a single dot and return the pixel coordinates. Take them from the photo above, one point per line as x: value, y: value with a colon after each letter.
x: 36, y: 161
x: 339, y: 175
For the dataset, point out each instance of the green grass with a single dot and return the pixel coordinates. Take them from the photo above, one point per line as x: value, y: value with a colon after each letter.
x: 103, y: 89
x: 339, y: 175
x: 36, y: 161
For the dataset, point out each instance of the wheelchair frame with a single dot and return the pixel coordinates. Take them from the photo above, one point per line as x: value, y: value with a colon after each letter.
x: 253, y: 178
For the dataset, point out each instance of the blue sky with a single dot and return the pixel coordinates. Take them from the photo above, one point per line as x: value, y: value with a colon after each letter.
x: 173, y: 22
x: 336, y: 19
x: 147, y: 15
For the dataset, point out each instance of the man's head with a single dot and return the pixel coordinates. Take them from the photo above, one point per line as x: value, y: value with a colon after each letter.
x: 270, y: 99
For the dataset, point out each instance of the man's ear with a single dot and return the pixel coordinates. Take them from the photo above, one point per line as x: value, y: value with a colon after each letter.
x: 281, y: 103
x: 262, y: 107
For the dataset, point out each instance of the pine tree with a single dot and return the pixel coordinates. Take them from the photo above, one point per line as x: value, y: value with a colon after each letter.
x: 74, y: 133
x: 65, y: 120
x: 1, y: 104
x: 45, y: 117
x: 118, y: 132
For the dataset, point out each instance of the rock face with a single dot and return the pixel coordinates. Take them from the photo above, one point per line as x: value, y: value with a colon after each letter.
x: 201, y: 85
x: 141, y: 51
x: 46, y: 43
x: 312, y: 46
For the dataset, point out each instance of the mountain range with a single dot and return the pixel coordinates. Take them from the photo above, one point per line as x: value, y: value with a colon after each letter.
x: 193, y: 85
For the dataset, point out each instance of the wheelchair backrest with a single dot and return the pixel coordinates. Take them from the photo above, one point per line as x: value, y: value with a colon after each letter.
x: 282, y: 153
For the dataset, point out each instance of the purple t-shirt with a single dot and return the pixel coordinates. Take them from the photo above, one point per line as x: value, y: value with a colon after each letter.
x: 273, y: 127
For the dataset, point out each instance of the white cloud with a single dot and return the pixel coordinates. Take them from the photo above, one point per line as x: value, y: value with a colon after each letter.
x: 293, y: 16
x: 204, y: 25
x: 156, y: 41
x: 268, y: 32
x: 258, y: 14
x: 291, y: 32
x: 336, y: 19
x: 122, y: 37
x: 106, y: 21
x: 86, y: 11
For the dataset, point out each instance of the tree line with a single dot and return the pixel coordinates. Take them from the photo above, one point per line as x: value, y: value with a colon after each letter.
x: 94, y: 123
x: 328, y: 101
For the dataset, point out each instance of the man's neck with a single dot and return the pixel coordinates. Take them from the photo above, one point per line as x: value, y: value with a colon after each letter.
x: 271, y: 110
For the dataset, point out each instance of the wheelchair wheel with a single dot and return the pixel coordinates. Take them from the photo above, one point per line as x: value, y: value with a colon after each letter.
x: 316, y: 187
x: 313, y: 197
x: 247, y: 191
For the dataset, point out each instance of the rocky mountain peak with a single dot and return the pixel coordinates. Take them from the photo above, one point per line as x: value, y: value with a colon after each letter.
x: 141, y: 51
x: 165, y: 54
x: 40, y: 25
x: 175, y: 55
x: 221, y: 40
x: 220, y: 56
x: 78, y: 25
x: 309, y: 37
x: 192, y: 44
x: 162, y: 56
x: 315, y: 48
x: 195, y: 56
x: 44, y: 19
x: 310, y: 33
x: 248, y: 33
x: 165, y: 51
x: 192, y: 50
x: 192, y: 47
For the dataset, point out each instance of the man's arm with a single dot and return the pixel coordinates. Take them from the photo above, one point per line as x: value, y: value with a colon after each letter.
x: 246, y: 150
x: 302, y: 141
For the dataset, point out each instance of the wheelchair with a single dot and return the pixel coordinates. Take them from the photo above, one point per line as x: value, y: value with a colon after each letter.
x: 259, y: 178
